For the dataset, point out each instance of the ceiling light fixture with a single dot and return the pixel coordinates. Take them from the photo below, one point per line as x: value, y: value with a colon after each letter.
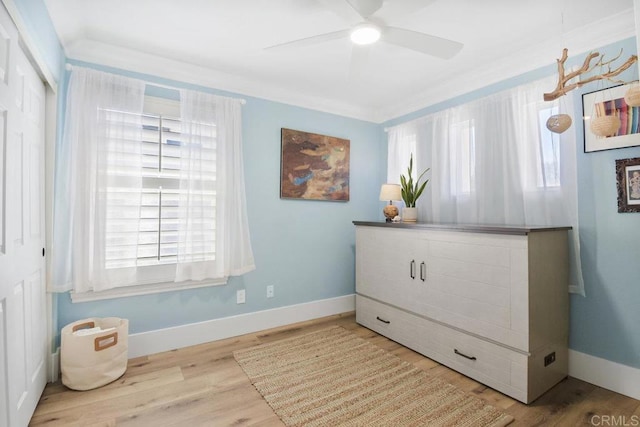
x: 366, y: 33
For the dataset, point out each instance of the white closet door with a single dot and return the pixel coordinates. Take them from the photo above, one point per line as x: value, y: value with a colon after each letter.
x: 23, y: 319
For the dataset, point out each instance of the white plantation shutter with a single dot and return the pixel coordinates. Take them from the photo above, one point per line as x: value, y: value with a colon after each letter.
x: 144, y: 221
x: 197, y: 194
x: 123, y: 194
x: 158, y: 236
x: 156, y: 199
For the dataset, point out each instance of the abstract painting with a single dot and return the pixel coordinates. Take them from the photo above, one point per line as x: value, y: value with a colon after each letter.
x: 314, y: 167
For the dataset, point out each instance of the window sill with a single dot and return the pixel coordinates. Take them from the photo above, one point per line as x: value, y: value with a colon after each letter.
x: 130, y: 291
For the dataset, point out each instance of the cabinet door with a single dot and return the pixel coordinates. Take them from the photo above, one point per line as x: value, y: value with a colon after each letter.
x: 387, y: 267
x: 470, y: 283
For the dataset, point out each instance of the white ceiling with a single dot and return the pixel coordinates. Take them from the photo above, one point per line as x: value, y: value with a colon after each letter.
x: 220, y: 43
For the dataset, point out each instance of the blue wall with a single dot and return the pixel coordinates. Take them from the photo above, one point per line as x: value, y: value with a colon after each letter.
x: 304, y: 248
x: 605, y: 322
x: 37, y: 21
x: 295, y: 252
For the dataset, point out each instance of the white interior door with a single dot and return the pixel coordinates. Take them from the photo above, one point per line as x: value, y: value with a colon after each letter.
x: 23, y: 319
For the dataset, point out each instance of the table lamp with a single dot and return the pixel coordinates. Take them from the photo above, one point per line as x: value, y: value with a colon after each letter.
x: 390, y: 192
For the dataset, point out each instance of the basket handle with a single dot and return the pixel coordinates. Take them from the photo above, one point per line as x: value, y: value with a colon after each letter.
x: 106, y: 341
x: 85, y: 325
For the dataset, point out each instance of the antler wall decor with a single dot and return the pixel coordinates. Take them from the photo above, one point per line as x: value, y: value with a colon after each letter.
x: 562, y: 88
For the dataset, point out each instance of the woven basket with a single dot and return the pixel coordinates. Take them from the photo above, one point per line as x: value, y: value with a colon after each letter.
x: 605, y: 125
x: 558, y: 123
x: 632, y: 97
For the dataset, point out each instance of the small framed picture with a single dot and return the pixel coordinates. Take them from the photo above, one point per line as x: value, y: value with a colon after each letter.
x: 610, y: 102
x: 628, y: 177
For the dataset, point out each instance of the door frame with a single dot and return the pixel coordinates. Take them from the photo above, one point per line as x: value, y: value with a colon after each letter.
x: 33, y: 53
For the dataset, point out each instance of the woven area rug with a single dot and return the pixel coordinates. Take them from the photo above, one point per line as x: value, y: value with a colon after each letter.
x: 334, y: 378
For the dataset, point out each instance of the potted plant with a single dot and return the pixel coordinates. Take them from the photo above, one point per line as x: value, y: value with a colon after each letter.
x: 411, y: 192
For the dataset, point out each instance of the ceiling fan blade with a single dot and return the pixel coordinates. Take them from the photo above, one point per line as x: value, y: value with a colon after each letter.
x: 420, y: 42
x: 359, y: 61
x: 308, y: 41
x: 396, y: 11
x: 365, y: 8
x: 343, y: 9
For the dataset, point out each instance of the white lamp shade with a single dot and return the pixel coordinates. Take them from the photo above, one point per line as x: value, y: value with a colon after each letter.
x: 390, y: 192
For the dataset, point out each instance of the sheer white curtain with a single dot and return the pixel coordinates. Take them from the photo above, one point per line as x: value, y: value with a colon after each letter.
x: 211, y: 163
x: 402, y: 144
x: 494, y: 162
x: 101, y: 133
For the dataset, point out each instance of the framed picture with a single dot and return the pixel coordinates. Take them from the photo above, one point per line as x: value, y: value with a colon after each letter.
x: 314, y: 167
x: 610, y: 102
x: 628, y: 177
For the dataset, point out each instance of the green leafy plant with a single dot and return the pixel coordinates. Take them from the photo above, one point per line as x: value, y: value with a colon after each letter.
x: 410, y: 191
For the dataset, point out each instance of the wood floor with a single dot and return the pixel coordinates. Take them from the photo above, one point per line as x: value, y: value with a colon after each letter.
x: 204, y: 386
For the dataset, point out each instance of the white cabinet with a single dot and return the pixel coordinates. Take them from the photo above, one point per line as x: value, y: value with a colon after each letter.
x: 490, y: 302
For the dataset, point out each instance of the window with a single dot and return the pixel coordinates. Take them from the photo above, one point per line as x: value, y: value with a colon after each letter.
x: 462, y: 159
x: 402, y: 145
x: 143, y: 213
x: 158, y: 231
x: 548, y: 153
x: 493, y: 161
x: 155, y: 190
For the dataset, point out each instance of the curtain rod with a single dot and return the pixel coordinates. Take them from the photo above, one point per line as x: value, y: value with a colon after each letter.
x: 69, y: 67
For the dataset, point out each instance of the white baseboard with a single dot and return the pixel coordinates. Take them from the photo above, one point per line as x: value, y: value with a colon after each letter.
x: 605, y: 373
x: 54, y: 366
x: 145, y: 343
x: 601, y: 372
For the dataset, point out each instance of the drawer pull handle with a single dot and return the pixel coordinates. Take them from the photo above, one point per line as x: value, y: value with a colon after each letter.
x: 382, y: 320
x: 412, y: 269
x: 455, y: 350
x: 423, y: 271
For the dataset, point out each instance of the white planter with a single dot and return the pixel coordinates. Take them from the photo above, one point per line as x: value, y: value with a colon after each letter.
x: 409, y: 214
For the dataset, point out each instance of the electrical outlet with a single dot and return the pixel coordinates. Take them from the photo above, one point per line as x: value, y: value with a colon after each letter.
x: 549, y: 358
x: 270, y: 291
x: 240, y: 296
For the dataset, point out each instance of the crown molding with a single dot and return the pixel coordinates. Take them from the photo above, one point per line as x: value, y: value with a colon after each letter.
x: 113, y: 56
x: 601, y: 33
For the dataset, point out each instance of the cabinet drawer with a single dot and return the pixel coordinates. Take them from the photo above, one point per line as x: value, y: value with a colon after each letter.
x: 491, y: 364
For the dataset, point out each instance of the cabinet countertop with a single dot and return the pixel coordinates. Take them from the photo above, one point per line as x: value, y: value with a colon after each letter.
x: 468, y: 228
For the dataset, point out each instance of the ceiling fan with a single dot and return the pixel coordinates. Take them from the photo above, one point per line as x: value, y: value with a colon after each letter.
x: 369, y: 23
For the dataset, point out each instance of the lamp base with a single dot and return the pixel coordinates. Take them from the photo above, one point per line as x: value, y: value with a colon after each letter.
x: 390, y: 212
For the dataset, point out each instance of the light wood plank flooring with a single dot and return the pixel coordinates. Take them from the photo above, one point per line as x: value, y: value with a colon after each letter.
x: 204, y: 386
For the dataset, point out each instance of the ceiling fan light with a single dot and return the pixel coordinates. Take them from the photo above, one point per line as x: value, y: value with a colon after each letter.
x: 365, y: 34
